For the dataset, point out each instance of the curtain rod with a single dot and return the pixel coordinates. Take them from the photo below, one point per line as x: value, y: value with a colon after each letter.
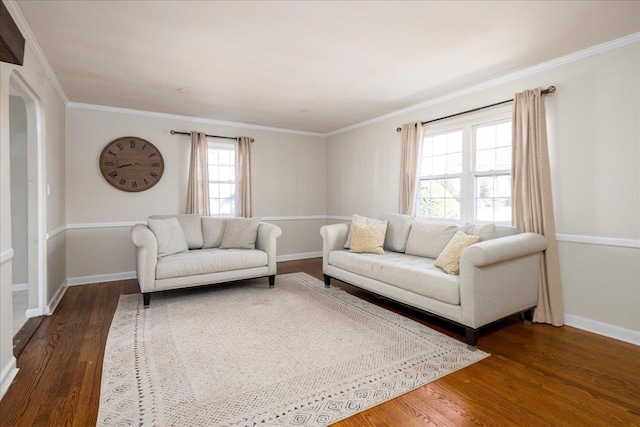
x: 175, y: 132
x: 550, y: 89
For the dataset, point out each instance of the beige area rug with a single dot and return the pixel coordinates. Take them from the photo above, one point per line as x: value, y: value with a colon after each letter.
x: 245, y: 355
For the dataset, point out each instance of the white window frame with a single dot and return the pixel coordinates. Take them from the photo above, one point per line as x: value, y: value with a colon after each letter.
x: 467, y: 123
x: 229, y: 146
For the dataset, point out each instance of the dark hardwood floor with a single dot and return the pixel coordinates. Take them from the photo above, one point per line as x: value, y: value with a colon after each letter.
x: 537, y: 375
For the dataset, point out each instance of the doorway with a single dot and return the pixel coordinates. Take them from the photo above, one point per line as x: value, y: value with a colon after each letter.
x: 28, y: 227
x: 19, y: 208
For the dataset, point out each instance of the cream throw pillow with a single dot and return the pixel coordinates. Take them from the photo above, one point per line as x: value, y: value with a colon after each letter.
x: 368, y: 238
x: 362, y: 220
x: 449, y: 258
x: 169, y: 235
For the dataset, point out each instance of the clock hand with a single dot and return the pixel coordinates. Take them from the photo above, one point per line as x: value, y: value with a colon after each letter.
x: 130, y: 164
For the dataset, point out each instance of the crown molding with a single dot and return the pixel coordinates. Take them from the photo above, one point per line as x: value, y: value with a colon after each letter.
x: 30, y: 38
x: 572, y: 57
x: 189, y: 119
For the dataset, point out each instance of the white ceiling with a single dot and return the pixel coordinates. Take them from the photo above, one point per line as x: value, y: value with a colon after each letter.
x: 312, y: 66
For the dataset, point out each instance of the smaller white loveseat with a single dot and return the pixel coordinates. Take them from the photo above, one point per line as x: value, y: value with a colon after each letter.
x: 180, y: 251
x: 498, y: 276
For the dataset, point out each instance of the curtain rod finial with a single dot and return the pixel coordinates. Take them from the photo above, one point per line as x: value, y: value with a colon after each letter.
x: 551, y: 89
x: 398, y: 129
x: 173, y: 132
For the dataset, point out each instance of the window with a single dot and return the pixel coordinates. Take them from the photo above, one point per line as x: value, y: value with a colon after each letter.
x: 222, y: 178
x: 465, y: 170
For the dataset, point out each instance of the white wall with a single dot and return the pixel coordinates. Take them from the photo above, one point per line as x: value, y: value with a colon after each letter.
x: 18, y: 130
x: 288, y: 172
x: 595, y: 158
x: 52, y: 139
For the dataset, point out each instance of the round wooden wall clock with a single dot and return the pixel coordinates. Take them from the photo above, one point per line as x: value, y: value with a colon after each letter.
x: 131, y: 164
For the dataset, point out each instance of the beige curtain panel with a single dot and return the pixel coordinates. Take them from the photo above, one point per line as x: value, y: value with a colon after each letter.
x: 412, y: 135
x: 532, y: 203
x: 243, y: 177
x: 198, y: 190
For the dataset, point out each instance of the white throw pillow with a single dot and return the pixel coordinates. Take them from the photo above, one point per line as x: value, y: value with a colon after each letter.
x: 169, y: 235
x: 240, y: 233
x: 428, y: 240
x: 398, y: 229
x: 362, y: 220
x: 449, y: 259
x: 212, y: 231
x: 191, y: 227
x: 368, y: 238
x: 485, y: 231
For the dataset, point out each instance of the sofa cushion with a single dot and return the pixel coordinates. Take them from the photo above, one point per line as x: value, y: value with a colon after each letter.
x: 368, y: 238
x: 429, y: 239
x: 240, y: 233
x: 506, y: 230
x: 449, y: 258
x: 169, y: 235
x: 398, y: 230
x: 205, y: 261
x: 191, y: 227
x: 212, y: 231
x: 362, y: 220
x: 485, y: 231
x: 412, y: 273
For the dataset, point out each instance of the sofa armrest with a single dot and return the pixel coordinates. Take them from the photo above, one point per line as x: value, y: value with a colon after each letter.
x: 504, y: 248
x: 500, y: 277
x: 266, y: 241
x: 146, y: 256
x: 334, y: 237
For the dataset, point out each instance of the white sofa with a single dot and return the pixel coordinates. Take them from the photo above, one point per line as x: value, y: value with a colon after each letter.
x: 498, y: 276
x: 202, y: 251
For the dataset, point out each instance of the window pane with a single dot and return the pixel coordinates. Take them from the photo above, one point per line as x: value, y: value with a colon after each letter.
x: 485, y: 137
x: 454, y: 163
x: 484, y: 209
x: 426, y: 167
x: 502, y: 186
x: 493, y: 198
x: 503, y: 137
x: 503, y: 158
x: 454, y: 142
x: 439, y: 144
x: 439, y: 165
x: 493, y: 147
x: 440, y: 198
x: 214, y: 190
x: 502, y: 210
x: 427, y: 147
x: 485, y: 160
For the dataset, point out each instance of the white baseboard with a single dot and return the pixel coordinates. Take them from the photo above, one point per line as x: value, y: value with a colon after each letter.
x: 17, y: 287
x: 33, y: 312
x: 98, y: 278
x: 8, y: 374
x: 605, y: 329
x: 55, y: 300
x: 294, y: 257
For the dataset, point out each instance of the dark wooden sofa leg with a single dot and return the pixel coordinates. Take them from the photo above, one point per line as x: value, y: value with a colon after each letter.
x: 272, y: 281
x: 327, y: 281
x: 527, y: 315
x: 472, y: 338
x: 146, y: 297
